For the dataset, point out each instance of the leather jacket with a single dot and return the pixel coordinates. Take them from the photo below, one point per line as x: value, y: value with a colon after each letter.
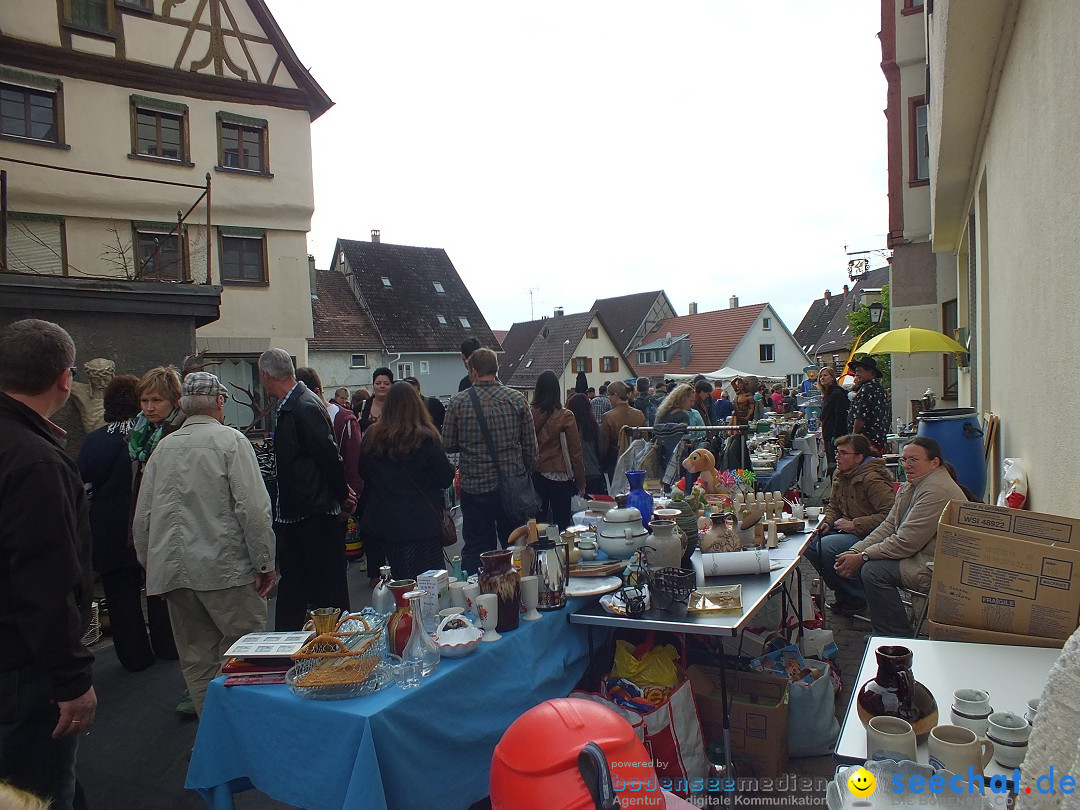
x: 310, y: 473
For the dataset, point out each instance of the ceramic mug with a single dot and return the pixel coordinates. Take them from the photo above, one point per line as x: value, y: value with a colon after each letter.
x: 955, y: 748
x: 970, y: 709
x: 813, y: 512
x: 588, y: 549
x: 1009, y: 732
x: 457, y: 595
x: 890, y: 735
x: 471, y: 591
x: 1032, y: 710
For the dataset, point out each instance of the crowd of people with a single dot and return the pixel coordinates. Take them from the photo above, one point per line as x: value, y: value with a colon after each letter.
x: 165, y: 497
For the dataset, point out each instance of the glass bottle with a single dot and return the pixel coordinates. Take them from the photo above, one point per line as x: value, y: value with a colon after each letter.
x: 455, y: 566
x: 382, y: 600
x: 421, y: 654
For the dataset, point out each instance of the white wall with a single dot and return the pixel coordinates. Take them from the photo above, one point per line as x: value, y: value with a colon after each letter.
x: 1025, y: 193
x: 335, y: 370
x: 789, y: 357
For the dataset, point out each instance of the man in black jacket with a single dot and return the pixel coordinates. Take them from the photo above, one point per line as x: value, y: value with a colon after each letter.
x: 46, y: 696
x: 311, y: 491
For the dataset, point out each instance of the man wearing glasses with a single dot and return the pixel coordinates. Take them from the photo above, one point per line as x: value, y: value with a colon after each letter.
x: 862, y: 495
x: 897, y: 553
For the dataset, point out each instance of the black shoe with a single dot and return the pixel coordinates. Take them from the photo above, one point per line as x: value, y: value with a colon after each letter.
x: 847, y: 608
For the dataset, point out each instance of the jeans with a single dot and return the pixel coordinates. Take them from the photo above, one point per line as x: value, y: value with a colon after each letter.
x: 484, y: 526
x: 557, y: 495
x: 30, y: 758
x: 822, y: 553
x: 880, y: 580
x: 311, y: 563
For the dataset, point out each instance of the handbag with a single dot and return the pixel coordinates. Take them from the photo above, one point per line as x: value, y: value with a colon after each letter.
x: 516, y: 492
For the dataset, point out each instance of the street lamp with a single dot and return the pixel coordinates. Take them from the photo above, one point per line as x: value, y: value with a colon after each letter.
x: 562, y: 371
x: 876, y: 311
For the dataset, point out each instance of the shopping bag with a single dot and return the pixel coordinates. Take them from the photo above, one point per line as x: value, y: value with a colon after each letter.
x: 812, y: 725
x: 819, y: 643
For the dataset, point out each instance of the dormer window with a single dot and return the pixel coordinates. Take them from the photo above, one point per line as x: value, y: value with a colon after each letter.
x: 438, y: 286
x: 386, y: 282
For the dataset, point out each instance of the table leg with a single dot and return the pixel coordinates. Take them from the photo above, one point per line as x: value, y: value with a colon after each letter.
x: 728, y: 773
x: 798, y: 584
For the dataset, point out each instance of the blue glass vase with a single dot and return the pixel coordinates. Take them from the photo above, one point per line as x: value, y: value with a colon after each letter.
x: 638, y: 498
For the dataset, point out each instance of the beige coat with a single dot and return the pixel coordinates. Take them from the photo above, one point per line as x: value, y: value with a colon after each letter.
x: 909, y: 532
x: 864, y: 496
x: 611, y: 427
x: 550, y: 458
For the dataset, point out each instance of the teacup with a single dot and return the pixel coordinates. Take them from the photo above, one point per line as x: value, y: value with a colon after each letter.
x: 813, y: 512
x: 887, y: 736
x: 954, y: 748
x: 1032, y: 710
x: 1009, y: 732
x: 970, y: 709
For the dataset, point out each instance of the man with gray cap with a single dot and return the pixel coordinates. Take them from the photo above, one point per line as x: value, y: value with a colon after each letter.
x: 204, y: 533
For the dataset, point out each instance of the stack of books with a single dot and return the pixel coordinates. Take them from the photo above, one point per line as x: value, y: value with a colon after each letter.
x: 262, y: 658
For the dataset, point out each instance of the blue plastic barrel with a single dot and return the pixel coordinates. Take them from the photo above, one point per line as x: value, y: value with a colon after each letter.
x: 958, y: 432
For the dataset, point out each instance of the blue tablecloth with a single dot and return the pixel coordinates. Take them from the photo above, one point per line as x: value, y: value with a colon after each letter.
x: 783, y: 476
x: 426, y: 747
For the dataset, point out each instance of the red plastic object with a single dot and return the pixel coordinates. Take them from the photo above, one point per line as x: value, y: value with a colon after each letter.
x: 535, y: 765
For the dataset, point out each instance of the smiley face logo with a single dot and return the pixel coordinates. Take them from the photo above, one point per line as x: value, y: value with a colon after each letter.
x: 862, y: 783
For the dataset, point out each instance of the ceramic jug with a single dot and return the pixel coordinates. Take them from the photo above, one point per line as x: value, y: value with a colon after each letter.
x: 497, y: 576
x: 667, y: 545
x: 895, y: 692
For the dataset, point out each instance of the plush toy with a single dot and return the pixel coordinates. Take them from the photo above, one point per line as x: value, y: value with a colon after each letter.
x: 703, y: 463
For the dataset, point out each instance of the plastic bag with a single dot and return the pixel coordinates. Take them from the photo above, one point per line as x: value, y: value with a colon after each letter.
x: 1014, y: 484
x: 655, y: 667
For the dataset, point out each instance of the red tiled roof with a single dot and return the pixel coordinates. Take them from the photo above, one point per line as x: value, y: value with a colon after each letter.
x: 500, y: 334
x: 340, y: 322
x: 713, y: 337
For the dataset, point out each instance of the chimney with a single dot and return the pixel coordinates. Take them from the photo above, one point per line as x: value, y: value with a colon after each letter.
x: 828, y: 295
x: 375, y: 237
x: 733, y: 302
x: 846, y: 291
x: 311, y: 275
x: 558, y: 312
x: 693, y: 307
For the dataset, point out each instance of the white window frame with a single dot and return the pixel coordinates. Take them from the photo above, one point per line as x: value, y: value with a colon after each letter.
x: 425, y: 367
x: 386, y: 281
x: 438, y: 287
x: 363, y: 361
x: 766, y: 324
x: 464, y: 322
x: 404, y: 370
x: 442, y: 319
x: 771, y: 352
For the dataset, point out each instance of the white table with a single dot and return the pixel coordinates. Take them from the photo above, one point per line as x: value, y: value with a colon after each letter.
x: 1012, y: 676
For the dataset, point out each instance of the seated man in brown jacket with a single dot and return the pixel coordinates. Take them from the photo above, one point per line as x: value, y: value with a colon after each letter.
x: 862, y: 495
x: 897, y: 553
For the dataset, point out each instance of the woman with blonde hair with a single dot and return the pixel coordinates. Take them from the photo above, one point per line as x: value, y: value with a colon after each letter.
x: 159, y: 397
x: 405, y: 472
x: 678, y: 406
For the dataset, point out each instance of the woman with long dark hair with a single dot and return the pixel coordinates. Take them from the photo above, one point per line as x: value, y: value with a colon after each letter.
x: 106, y: 470
x: 560, y: 469
x: 589, y: 435
x: 381, y: 380
x: 834, y: 412
x: 405, y: 472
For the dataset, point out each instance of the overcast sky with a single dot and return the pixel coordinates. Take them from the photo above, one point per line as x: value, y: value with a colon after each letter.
x: 585, y: 149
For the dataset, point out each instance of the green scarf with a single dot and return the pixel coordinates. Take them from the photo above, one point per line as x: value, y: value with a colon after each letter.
x: 145, y: 437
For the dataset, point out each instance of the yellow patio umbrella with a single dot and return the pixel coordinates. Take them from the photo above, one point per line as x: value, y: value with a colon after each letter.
x: 910, y: 340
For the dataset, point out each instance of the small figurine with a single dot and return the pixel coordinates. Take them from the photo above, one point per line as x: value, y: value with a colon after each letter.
x: 703, y: 463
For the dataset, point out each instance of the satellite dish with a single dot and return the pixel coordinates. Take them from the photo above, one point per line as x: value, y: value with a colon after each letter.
x: 544, y: 333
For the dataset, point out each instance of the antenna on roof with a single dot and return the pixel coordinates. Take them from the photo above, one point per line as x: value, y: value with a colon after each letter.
x: 530, y: 291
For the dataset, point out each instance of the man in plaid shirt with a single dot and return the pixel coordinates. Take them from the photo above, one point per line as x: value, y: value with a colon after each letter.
x: 601, y: 404
x: 484, y: 523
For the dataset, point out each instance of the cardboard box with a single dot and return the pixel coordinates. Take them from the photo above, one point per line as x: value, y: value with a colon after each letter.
x: 950, y: 632
x: 759, y: 715
x: 1006, y: 571
x: 436, y: 587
